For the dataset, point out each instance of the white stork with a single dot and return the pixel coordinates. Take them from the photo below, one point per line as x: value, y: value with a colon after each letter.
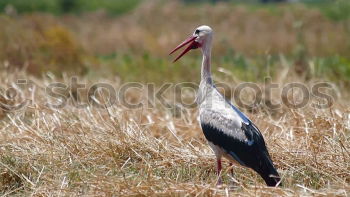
x: 230, y: 133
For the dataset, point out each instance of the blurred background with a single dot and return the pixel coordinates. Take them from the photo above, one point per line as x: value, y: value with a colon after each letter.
x: 131, y: 39
x: 159, y: 149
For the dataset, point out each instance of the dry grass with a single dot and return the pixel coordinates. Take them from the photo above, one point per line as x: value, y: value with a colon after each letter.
x: 146, y: 152
x: 40, y: 45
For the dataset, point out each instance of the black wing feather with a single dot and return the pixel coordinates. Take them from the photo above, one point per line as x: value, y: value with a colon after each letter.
x: 253, y: 155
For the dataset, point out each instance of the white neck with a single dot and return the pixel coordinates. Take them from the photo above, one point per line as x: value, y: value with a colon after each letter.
x: 206, y: 68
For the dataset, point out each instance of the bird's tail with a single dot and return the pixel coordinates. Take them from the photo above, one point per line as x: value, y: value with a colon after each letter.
x: 268, y: 172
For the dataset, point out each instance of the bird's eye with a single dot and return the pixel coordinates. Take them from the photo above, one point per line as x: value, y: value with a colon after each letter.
x: 197, y: 31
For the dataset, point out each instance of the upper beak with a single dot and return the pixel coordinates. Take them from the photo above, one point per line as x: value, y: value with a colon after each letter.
x: 193, y: 44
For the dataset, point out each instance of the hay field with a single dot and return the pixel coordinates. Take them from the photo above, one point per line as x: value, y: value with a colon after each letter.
x: 158, y: 149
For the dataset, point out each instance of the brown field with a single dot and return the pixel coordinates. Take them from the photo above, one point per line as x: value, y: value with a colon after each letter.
x: 158, y: 151
x: 161, y: 151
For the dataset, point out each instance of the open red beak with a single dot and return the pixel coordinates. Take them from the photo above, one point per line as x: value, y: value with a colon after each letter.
x: 193, y: 45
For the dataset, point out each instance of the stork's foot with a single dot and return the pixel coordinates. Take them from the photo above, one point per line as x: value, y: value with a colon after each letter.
x: 233, y: 187
x: 234, y: 182
x: 218, y: 171
x: 219, y: 182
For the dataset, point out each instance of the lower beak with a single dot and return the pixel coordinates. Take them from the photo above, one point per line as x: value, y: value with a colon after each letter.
x: 193, y: 44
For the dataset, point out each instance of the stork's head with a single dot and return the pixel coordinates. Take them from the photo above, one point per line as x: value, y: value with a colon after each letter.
x: 201, y: 38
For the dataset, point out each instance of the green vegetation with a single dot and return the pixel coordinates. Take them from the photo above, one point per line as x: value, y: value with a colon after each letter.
x: 336, y: 10
x: 111, y: 6
x: 114, y: 7
x: 334, y: 68
x: 21, y: 6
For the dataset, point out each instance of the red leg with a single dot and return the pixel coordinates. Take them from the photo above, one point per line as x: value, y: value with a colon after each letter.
x: 231, y: 165
x: 233, y: 180
x: 219, y: 167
